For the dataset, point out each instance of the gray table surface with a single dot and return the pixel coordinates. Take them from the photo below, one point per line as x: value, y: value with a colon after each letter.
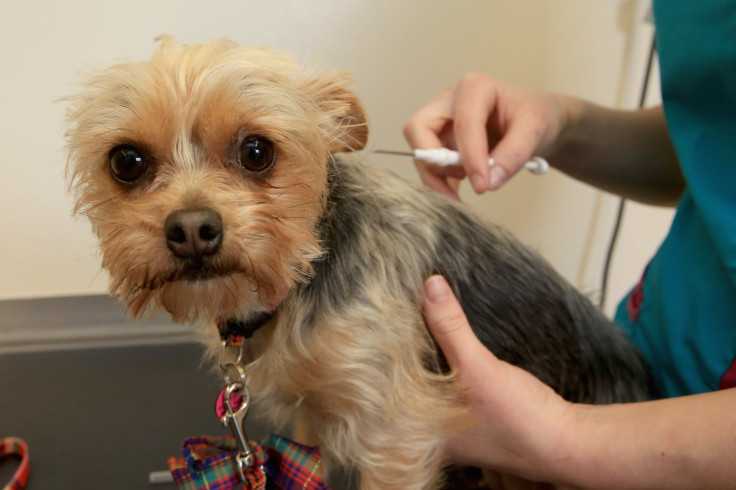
x: 105, y: 418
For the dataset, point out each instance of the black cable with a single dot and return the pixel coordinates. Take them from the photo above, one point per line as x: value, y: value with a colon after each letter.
x: 622, y: 201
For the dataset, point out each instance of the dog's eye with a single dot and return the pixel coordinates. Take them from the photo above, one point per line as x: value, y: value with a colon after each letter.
x: 127, y: 164
x: 256, y: 154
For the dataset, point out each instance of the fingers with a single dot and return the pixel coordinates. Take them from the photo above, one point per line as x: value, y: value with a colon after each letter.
x: 435, y: 179
x: 455, y: 118
x: 482, y: 105
x: 514, y: 149
x: 483, y: 118
x: 448, y: 324
x: 425, y: 129
x: 474, y: 100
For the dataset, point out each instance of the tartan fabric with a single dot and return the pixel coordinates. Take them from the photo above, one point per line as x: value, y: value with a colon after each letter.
x: 12, y: 446
x: 209, y: 463
x: 292, y: 465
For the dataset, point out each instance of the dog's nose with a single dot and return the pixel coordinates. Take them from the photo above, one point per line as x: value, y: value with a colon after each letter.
x: 193, y: 232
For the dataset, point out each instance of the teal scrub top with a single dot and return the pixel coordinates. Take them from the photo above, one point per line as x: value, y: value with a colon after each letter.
x: 682, y: 315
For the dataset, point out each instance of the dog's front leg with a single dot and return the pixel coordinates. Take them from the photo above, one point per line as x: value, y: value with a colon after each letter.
x: 402, y: 443
x: 404, y: 459
x: 395, y: 441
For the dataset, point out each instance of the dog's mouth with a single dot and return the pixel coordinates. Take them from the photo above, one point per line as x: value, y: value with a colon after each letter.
x: 200, y: 269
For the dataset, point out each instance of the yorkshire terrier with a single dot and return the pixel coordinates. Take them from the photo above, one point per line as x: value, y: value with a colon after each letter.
x: 217, y: 180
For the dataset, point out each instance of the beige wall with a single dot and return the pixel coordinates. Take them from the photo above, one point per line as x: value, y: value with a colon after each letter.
x: 401, y: 53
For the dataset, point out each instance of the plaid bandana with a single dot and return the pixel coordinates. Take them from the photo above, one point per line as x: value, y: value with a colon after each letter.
x: 209, y: 463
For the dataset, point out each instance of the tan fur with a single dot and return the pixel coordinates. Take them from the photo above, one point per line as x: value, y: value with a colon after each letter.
x: 187, y: 108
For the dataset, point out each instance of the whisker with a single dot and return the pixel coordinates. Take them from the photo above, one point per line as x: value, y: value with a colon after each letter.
x: 291, y: 217
x: 93, y: 218
x: 308, y: 203
x: 255, y: 283
x: 91, y: 207
x: 258, y: 236
x: 232, y: 289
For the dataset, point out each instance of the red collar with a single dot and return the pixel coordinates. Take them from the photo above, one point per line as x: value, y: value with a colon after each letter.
x: 233, y: 331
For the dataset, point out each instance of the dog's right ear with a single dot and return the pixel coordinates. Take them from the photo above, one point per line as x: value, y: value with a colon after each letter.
x: 344, y: 121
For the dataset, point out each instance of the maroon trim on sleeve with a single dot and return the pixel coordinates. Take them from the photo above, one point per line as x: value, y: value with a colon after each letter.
x: 729, y: 377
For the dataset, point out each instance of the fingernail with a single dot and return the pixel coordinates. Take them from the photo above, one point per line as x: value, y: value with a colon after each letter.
x: 478, y: 183
x: 498, y: 177
x: 437, y: 290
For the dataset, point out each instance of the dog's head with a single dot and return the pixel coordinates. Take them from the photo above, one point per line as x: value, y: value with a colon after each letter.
x: 203, y: 172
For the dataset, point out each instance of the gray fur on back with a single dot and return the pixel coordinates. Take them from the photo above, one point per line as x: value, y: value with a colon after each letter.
x: 379, y: 228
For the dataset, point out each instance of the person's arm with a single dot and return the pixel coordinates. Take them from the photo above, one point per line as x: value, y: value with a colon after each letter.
x: 628, y: 152
x: 686, y: 442
x: 522, y: 427
x: 624, y: 152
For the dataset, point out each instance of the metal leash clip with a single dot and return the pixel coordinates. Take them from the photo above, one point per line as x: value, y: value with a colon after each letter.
x: 234, y: 419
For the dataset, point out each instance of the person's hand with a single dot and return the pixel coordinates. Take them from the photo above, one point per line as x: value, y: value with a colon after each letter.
x: 518, y: 419
x: 482, y: 117
x: 519, y: 426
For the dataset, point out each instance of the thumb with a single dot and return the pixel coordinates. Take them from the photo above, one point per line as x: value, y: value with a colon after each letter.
x: 448, y: 323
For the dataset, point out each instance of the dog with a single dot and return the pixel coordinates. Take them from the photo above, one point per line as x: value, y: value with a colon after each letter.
x: 220, y: 183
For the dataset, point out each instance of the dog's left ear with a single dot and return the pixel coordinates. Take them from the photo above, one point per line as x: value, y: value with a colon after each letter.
x: 345, y: 123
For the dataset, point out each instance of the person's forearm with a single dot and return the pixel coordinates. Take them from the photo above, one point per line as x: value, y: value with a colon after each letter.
x: 625, y: 152
x: 687, y: 442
